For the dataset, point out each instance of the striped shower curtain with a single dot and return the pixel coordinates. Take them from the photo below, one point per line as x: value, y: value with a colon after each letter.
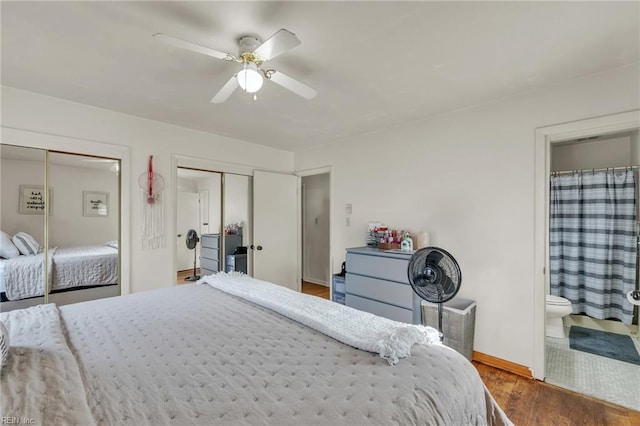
x: 593, y: 244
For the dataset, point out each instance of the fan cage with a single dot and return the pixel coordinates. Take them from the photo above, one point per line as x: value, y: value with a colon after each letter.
x: 435, y: 276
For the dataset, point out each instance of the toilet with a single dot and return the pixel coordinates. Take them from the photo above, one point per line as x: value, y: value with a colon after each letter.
x: 557, y: 308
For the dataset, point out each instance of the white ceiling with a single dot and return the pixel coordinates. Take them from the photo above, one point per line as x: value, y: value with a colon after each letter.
x: 375, y: 65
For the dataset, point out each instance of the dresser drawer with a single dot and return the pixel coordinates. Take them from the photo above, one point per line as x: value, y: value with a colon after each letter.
x: 386, y: 268
x: 385, y: 291
x: 210, y: 241
x: 205, y: 272
x: 209, y: 253
x: 380, y: 309
x: 210, y: 264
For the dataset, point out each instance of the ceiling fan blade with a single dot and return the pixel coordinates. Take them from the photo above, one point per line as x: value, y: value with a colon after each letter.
x: 190, y: 46
x: 280, y: 42
x: 294, y: 85
x: 226, y: 91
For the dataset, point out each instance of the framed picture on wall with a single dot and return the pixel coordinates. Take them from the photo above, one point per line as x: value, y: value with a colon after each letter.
x: 31, y: 199
x: 95, y: 203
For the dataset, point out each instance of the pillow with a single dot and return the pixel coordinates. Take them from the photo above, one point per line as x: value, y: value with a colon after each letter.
x: 7, y: 248
x: 4, y: 345
x: 26, y: 244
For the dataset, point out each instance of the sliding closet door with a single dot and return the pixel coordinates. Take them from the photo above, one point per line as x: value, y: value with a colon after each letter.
x: 199, y: 198
x: 22, y: 222
x: 84, y: 227
x: 237, y: 201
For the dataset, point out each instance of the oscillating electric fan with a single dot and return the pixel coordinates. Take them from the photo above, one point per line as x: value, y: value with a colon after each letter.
x: 435, y: 276
x: 192, y: 242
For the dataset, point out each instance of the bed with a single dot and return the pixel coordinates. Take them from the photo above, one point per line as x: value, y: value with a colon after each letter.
x: 198, y: 354
x: 21, y: 277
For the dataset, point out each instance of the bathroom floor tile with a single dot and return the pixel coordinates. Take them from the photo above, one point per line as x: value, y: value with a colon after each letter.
x: 603, y: 378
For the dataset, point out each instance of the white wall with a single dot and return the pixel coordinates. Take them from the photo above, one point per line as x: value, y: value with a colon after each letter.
x: 635, y: 148
x: 68, y: 226
x: 185, y: 184
x: 149, y: 268
x: 467, y: 178
x: 601, y: 153
x: 13, y: 174
x: 315, y: 211
x: 211, y: 183
x: 237, y: 203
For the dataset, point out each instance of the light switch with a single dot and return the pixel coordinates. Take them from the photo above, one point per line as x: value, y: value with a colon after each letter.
x: 349, y: 209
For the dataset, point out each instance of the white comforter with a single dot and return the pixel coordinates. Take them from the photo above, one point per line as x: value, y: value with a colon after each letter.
x: 195, y: 355
x: 389, y: 339
x: 40, y: 358
x: 22, y: 275
x: 68, y: 267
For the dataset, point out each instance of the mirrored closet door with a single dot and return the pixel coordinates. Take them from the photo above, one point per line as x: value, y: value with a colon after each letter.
x: 75, y: 250
x: 213, y: 219
x: 237, y: 202
x: 83, y: 231
x: 22, y: 222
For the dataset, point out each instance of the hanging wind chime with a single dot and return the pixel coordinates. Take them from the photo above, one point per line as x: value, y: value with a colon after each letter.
x: 152, y: 185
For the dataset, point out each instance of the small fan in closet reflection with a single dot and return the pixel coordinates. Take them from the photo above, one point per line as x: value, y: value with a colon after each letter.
x: 192, y: 243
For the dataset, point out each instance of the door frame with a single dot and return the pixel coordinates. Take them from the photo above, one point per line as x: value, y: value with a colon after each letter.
x: 313, y: 172
x: 206, y: 166
x: 544, y: 138
x: 186, y: 161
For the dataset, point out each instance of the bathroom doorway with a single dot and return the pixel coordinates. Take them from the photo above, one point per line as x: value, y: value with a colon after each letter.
x: 574, y: 362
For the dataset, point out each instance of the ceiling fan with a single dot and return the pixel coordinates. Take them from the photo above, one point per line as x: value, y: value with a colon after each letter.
x: 252, y: 55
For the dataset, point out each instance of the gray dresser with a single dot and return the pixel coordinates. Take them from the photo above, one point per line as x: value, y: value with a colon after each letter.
x: 209, y: 254
x: 377, y: 282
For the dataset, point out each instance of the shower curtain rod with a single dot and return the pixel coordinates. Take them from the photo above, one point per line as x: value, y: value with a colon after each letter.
x: 615, y: 169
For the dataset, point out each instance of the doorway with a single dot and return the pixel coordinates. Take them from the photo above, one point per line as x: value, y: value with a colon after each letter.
x: 315, y: 253
x: 579, y: 146
x: 315, y: 230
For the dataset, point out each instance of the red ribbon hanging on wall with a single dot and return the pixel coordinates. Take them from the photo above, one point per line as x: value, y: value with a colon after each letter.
x: 150, y: 198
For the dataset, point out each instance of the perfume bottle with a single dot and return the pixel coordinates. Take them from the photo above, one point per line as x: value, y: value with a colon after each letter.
x: 407, y: 243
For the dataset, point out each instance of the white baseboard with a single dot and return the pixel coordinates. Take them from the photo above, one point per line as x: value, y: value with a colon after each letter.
x: 315, y: 281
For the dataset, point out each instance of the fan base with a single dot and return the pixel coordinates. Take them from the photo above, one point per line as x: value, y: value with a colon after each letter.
x: 192, y: 278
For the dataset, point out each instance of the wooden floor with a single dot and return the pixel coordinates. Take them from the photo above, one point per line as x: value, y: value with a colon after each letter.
x: 184, y: 274
x: 531, y: 402
x: 315, y: 289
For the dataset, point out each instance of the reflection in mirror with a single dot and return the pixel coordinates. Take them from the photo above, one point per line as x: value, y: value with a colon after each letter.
x: 213, y: 204
x: 84, y: 227
x: 198, y: 209
x: 237, y: 211
x: 22, y: 222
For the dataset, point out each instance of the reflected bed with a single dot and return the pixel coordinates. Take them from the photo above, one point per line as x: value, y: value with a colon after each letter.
x: 69, y: 268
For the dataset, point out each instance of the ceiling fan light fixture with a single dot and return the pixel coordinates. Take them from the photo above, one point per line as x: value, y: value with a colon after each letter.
x: 249, y: 78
